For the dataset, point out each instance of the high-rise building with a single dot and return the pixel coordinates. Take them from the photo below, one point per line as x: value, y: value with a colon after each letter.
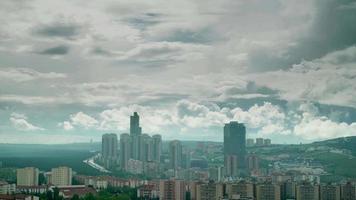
x: 348, y: 191
x: 175, y: 154
x: 172, y: 189
x: 61, y: 176
x: 125, y: 150
x: 234, y: 148
x: 268, y: 191
x: 157, y: 148
x: 135, y: 128
x: 253, y: 163
x: 109, y: 148
x: 307, y: 191
x: 231, y: 168
x: 27, y: 176
x: 146, y: 148
x: 330, y: 192
x: 135, y: 132
x: 289, y: 190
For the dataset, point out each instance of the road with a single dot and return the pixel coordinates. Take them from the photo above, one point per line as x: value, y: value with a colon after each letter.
x: 91, y: 163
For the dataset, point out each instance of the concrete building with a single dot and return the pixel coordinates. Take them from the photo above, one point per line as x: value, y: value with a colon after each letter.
x: 209, y: 191
x: 109, y: 150
x: 27, y: 176
x: 307, y: 191
x: 240, y: 190
x: 157, y: 148
x: 259, y: 141
x: 268, y: 191
x: 172, y: 189
x: 330, y: 192
x: 253, y: 163
x: 135, y: 132
x: 289, y: 190
x: 234, y: 148
x: 135, y: 128
x: 267, y: 142
x: 135, y: 166
x: 348, y: 191
x: 7, y: 188
x: 230, y: 165
x: 250, y: 142
x: 175, y: 154
x: 125, y: 150
x: 146, y: 148
x: 61, y: 176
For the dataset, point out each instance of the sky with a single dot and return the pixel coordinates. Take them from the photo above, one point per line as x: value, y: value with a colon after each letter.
x: 72, y: 70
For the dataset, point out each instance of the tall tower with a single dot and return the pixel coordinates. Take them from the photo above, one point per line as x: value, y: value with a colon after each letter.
x: 175, y: 154
x: 135, y: 133
x: 135, y: 128
x: 125, y: 150
x: 109, y: 146
x: 234, y: 148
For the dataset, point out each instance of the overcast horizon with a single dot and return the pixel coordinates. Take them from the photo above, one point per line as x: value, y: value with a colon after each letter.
x: 73, y: 70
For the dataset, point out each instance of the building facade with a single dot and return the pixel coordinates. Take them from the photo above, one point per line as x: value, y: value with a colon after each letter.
x: 27, y: 176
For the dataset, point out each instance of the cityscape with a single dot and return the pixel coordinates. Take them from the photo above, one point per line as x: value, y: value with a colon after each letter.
x: 235, y: 171
x: 177, y: 99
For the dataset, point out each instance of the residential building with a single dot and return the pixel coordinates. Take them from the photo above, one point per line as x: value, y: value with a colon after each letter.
x: 61, y: 176
x: 27, y: 176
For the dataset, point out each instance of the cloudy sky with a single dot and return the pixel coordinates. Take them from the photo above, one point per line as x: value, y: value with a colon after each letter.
x: 72, y: 70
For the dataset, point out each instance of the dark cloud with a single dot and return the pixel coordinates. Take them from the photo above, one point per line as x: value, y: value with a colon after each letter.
x: 145, y: 20
x: 99, y: 51
x: 203, y: 36
x: 62, y: 30
x: 333, y: 29
x: 57, y: 50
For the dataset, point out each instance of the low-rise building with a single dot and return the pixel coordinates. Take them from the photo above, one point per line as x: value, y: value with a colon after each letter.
x: 7, y: 188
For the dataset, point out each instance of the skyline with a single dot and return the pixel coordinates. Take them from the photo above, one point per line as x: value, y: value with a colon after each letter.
x: 284, y: 69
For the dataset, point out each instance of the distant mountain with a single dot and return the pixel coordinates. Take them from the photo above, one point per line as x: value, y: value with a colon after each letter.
x: 348, y: 143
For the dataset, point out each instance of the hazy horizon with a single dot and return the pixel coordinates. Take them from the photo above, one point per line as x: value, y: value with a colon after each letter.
x: 286, y: 69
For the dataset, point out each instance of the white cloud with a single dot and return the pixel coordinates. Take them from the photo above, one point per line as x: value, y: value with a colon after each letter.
x: 66, y: 125
x: 318, y: 128
x: 329, y: 80
x: 19, y: 122
x: 83, y: 120
x: 27, y: 74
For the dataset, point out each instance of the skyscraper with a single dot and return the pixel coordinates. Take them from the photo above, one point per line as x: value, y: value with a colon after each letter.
x: 157, y: 147
x: 234, y: 148
x: 348, y: 191
x: 135, y: 132
x: 175, y: 154
x: 135, y: 128
x: 109, y: 147
x: 145, y: 148
x: 27, y: 176
x: 125, y: 150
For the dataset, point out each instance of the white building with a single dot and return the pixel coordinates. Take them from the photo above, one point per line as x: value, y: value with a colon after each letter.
x: 61, y: 176
x: 6, y: 188
x: 27, y: 176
